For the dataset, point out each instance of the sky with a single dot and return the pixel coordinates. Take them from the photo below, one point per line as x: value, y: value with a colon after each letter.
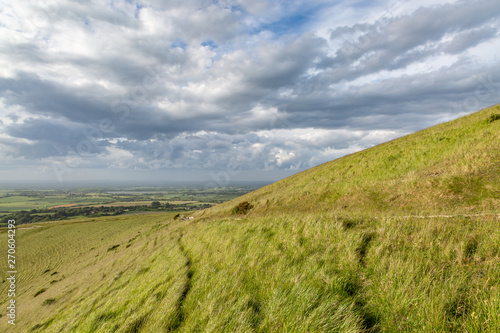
x: 230, y: 90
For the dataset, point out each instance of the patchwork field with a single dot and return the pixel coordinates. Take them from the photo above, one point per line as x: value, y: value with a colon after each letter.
x: 21, y: 202
x: 28, y: 206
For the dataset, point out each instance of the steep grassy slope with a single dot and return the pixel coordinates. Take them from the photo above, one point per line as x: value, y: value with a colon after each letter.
x: 286, y: 273
x: 323, y: 273
x: 451, y: 167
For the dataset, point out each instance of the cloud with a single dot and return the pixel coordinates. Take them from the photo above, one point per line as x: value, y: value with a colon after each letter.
x: 395, y: 42
x: 470, y: 38
x: 264, y: 85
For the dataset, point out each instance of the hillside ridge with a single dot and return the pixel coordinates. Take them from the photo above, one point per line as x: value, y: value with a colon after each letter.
x: 452, y: 167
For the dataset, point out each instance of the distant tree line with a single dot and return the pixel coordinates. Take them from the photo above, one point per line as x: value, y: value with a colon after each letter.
x: 43, y: 215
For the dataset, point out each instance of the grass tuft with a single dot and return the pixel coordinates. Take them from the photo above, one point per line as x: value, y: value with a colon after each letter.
x: 102, y: 319
x: 362, y: 249
x: 49, y: 301
x: 136, y: 326
x: 41, y: 291
x: 114, y: 247
x: 348, y: 223
x: 458, y: 307
x: 41, y: 326
x: 470, y: 248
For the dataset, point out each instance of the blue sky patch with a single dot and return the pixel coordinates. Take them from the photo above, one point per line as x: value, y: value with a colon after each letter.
x: 210, y: 43
x: 294, y: 22
x: 179, y: 43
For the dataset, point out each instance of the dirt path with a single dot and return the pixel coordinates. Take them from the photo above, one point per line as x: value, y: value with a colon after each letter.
x: 446, y: 216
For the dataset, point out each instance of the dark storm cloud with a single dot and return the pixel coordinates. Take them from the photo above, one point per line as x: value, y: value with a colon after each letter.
x: 53, y: 137
x: 55, y: 100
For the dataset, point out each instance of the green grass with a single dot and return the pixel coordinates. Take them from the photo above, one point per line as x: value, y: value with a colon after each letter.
x: 280, y: 273
x: 69, y: 272
x: 17, y: 203
x: 18, y: 200
x: 451, y: 167
x: 314, y: 273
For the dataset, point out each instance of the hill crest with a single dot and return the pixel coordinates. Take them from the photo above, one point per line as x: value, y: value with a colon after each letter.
x: 453, y: 167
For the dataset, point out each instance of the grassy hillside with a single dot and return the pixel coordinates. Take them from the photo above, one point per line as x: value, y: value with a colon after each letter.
x: 286, y: 273
x: 451, y: 167
x: 78, y: 276
x: 348, y: 246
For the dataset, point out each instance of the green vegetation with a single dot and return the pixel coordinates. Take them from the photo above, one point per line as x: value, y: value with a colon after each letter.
x: 306, y: 272
x: 55, y: 214
x: 52, y: 205
x: 12, y: 201
x: 493, y: 117
x: 242, y: 208
x: 18, y: 200
x: 451, y: 168
x: 40, y: 292
x: 402, y: 237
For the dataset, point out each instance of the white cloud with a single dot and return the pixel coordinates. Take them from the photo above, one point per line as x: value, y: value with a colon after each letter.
x: 260, y: 84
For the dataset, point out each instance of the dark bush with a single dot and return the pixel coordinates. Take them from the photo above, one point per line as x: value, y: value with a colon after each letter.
x: 493, y: 117
x: 242, y: 208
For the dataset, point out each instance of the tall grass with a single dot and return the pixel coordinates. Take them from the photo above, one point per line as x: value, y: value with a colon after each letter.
x: 277, y: 273
x: 324, y: 273
x: 95, y: 274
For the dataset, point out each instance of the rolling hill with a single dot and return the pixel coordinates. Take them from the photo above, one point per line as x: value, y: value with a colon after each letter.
x: 400, y: 237
x: 453, y: 167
